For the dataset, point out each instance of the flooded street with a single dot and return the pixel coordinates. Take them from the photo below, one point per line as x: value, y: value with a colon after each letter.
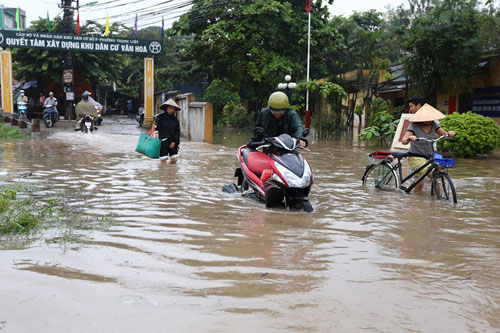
x: 182, y: 256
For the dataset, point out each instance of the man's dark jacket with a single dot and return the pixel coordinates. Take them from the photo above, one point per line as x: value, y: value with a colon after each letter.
x: 289, y: 123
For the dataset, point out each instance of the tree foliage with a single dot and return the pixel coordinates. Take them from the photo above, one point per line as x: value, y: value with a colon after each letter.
x: 219, y: 94
x: 35, y: 64
x: 250, y: 44
x: 381, y: 125
x: 442, y: 44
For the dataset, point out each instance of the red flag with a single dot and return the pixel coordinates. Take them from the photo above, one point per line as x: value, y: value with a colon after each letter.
x: 78, y: 24
x: 308, y: 6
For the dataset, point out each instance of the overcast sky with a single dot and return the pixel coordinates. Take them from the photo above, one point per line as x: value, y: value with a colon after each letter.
x: 39, y: 8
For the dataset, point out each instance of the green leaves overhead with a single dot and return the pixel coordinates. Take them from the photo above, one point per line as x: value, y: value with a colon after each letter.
x: 251, y: 44
x: 442, y: 44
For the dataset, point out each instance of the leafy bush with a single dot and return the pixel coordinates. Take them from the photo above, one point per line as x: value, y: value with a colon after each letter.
x: 397, y: 111
x: 381, y: 124
x: 476, y: 134
x: 236, y: 115
x: 379, y: 112
x: 219, y: 95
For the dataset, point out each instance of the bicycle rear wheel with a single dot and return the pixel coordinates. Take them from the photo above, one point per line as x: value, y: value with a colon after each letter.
x: 381, y: 176
x: 443, y: 188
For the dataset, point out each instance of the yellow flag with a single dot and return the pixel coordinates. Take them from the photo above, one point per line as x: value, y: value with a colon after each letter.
x: 106, y: 32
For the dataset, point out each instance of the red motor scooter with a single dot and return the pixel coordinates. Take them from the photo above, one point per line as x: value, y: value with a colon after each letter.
x: 278, y: 175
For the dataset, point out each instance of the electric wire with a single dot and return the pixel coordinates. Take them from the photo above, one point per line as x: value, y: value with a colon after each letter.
x: 154, y: 14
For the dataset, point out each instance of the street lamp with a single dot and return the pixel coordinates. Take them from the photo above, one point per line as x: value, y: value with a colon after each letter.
x: 288, y: 85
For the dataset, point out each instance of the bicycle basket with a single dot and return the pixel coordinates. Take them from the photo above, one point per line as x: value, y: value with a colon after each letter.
x: 436, y: 156
x: 378, y: 156
x: 445, y: 162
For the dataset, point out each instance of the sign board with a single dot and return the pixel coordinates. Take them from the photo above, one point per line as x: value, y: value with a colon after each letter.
x: 488, y: 106
x: 404, y: 122
x: 78, y: 43
x: 149, y: 87
x: 6, y: 77
x: 70, y: 96
x: 68, y: 76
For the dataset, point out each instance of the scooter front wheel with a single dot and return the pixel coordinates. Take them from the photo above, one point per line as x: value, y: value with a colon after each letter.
x: 48, y: 122
x: 298, y: 204
x: 306, y: 206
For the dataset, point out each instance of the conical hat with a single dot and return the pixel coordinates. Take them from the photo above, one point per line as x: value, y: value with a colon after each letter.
x: 170, y: 102
x: 426, y: 113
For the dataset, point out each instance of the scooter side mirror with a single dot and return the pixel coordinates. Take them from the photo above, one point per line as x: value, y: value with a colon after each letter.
x: 258, y: 131
x: 305, y: 132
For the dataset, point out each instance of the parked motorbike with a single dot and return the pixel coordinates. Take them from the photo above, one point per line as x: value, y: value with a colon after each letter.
x: 49, y: 115
x: 22, y: 109
x: 140, y: 116
x: 277, y: 176
x: 99, y: 117
x: 87, y: 124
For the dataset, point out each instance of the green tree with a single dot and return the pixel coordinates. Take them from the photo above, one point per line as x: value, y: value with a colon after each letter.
x: 253, y: 44
x: 365, y: 49
x: 490, y: 29
x: 219, y: 94
x: 171, y: 67
x: 442, y: 44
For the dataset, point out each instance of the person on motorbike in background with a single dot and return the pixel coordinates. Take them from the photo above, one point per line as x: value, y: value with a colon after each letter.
x: 22, y: 97
x: 83, y: 108
x: 22, y: 102
x: 277, y: 118
x: 51, y: 100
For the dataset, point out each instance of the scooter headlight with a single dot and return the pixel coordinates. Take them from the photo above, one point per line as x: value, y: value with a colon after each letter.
x: 292, y: 179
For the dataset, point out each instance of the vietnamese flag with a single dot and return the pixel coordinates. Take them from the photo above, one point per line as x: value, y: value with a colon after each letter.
x: 78, y: 24
x: 308, y: 6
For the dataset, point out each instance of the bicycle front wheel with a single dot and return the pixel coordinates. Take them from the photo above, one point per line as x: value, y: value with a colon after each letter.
x: 443, y: 188
x: 381, y: 176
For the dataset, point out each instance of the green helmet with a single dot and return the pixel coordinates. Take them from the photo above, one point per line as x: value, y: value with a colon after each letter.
x: 278, y: 101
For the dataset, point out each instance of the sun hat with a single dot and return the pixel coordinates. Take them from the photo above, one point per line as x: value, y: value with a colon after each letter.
x: 170, y: 102
x: 426, y: 113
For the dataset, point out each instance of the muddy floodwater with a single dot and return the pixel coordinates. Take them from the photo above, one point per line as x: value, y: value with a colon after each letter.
x: 182, y: 256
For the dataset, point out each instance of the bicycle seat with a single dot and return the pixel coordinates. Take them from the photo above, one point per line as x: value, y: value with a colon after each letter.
x: 399, y: 154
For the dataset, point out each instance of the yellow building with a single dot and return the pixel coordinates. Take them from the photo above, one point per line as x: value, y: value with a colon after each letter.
x: 482, y: 96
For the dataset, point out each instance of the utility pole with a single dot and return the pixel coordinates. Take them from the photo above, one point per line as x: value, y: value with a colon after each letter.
x: 68, y: 77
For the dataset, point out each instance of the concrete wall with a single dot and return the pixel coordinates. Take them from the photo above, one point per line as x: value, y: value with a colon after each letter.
x: 195, y: 119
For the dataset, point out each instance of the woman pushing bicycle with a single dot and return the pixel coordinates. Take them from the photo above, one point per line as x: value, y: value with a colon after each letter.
x: 423, y: 125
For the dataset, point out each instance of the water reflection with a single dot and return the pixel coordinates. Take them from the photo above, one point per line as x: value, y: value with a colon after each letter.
x: 180, y: 247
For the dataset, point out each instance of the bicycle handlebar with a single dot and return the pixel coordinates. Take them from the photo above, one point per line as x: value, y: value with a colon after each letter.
x: 445, y: 136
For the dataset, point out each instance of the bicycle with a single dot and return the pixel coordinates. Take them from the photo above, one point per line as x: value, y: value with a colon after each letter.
x: 385, y: 173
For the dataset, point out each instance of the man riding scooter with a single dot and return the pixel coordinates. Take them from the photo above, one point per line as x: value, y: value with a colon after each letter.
x: 84, y: 108
x: 50, y: 105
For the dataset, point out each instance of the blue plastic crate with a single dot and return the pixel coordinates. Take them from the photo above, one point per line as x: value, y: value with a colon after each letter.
x: 445, y: 162
x: 436, y: 155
